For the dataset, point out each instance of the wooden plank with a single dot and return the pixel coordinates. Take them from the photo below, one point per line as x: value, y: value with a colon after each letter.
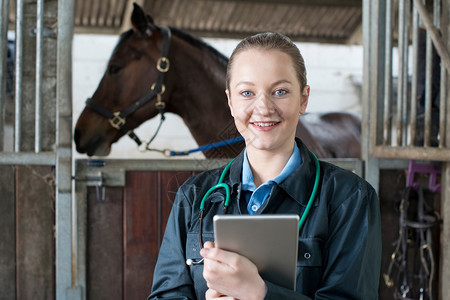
x: 148, y: 197
x: 7, y: 234
x: 35, y: 218
x: 141, y: 223
x: 170, y: 182
x: 105, y: 248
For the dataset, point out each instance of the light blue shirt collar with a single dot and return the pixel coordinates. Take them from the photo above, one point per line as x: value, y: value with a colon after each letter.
x: 248, y: 183
x: 260, y: 194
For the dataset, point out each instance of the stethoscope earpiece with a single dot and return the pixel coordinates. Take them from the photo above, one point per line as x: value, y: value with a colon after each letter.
x: 191, y: 262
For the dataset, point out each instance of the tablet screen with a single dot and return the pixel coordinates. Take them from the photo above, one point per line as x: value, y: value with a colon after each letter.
x: 269, y: 241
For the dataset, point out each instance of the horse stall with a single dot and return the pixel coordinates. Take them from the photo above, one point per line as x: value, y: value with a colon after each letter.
x: 406, y: 119
x: 100, y: 240
x: 36, y: 149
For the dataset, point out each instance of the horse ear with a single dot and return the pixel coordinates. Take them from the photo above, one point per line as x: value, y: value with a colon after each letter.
x: 141, y: 22
x: 150, y: 19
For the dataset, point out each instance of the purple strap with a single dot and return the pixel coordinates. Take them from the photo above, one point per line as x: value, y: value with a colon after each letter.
x: 432, y: 169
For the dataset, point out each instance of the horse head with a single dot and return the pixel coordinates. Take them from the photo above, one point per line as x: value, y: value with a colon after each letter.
x: 145, y: 77
x: 131, y: 90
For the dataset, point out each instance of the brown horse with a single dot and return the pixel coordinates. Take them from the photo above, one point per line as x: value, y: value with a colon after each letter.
x: 193, y: 88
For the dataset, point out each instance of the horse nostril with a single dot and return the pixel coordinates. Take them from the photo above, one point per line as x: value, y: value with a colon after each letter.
x: 76, y: 136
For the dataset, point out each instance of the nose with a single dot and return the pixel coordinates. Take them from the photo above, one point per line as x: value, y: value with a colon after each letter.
x: 76, y: 137
x: 265, y: 105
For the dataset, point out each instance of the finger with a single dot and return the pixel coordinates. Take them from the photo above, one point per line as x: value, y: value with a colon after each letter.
x: 213, y: 294
x: 222, y: 256
x: 208, y: 245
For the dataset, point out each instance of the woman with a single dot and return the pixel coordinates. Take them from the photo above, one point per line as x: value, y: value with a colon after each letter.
x: 267, y: 91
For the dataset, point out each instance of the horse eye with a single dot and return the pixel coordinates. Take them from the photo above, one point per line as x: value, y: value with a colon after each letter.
x: 113, y: 69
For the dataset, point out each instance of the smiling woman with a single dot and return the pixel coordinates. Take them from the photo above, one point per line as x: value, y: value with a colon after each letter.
x: 340, y: 239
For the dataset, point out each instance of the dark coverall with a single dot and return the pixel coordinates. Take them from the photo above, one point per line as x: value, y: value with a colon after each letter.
x: 339, y: 245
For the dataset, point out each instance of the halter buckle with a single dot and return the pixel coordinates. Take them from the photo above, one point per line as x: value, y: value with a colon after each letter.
x: 159, y: 64
x: 117, y: 121
x: 159, y: 103
x: 163, y: 88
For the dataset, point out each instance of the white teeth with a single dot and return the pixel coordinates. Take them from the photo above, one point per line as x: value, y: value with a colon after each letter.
x: 265, y: 124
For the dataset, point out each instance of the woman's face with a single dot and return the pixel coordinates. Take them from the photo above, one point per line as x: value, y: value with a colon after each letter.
x: 265, y: 99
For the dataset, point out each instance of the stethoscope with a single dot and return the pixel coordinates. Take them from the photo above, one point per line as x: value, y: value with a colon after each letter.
x: 220, y: 184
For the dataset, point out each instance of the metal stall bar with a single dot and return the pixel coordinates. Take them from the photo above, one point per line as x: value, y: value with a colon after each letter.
x: 18, y: 77
x: 415, y: 46
x: 402, y: 27
x: 66, y: 247
x: 437, y: 23
x: 387, y: 132
x: 374, y: 39
x: 443, y: 108
x: 434, y: 34
x: 39, y: 36
x: 428, y: 90
x: 4, y: 15
x: 404, y: 68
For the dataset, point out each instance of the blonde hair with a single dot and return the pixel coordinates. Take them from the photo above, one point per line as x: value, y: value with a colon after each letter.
x: 271, y: 41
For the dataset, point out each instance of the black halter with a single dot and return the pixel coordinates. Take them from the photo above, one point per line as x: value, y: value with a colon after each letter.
x: 118, y: 119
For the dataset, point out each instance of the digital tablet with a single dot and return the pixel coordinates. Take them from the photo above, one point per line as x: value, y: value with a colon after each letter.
x: 269, y: 241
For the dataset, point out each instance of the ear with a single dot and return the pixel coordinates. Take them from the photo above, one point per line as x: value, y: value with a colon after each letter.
x: 304, y: 99
x: 141, y: 23
x: 229, y: 101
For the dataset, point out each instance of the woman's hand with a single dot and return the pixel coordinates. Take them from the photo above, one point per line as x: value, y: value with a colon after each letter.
x: 228, y: 274
x: 213, y: 294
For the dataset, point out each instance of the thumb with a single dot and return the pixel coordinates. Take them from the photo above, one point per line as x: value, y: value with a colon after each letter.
x: 208, y: 245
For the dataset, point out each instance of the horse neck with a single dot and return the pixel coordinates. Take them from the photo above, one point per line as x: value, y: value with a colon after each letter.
x: 198, y: 95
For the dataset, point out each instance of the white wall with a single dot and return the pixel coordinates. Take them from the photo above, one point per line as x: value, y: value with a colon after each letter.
x: 332, y: 71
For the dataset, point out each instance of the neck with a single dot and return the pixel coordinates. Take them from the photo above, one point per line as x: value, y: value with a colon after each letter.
x: 266, y: 165
x: 199, y: 95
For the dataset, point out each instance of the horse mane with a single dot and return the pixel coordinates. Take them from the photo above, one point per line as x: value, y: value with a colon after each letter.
x: 200, y: 44
x: 123, y: 37
x: 190, y: 39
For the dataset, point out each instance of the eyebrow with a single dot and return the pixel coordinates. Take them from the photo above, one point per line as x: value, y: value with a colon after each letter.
x: 274, y: 84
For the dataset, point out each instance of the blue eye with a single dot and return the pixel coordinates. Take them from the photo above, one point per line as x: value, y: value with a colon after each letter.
x: 246, y: 93
x: 280, y: 92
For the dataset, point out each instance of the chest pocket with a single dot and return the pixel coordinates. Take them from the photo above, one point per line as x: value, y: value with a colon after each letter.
x: 193, y: 247
x: 309, y: 252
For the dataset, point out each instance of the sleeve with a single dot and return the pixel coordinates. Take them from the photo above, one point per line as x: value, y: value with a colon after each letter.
x: 353, y: 248
x: 171, y: 278
x: 352, y: 252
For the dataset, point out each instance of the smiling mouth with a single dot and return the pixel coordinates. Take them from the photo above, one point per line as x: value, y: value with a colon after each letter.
x: 265, y: 124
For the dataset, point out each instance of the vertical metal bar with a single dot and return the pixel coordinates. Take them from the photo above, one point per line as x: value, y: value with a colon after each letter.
x: 18, y: 77
x: 415, y: 46
x: 367, y: 130
x: 443, y: 107
x: 66, y: 219
x: 372, y: 37
x: 445, y: 194
x: 401, y: 58
x: 4, y: 15
x: 388, y: 75
x: 404, y: 64
x: 429, y: 77
x: 439, y: 42
x: 442, y: 86
x: 428, y: 89
x: 39, y: 34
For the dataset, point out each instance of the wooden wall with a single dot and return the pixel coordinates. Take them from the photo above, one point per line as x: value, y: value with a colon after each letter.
x: 125, y: 232
x: 27, y: 224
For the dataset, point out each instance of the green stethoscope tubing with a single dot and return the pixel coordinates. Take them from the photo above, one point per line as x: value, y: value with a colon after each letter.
x: 225, y: 186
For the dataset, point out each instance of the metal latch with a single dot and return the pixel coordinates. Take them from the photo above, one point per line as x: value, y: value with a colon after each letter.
x: 97, y: 180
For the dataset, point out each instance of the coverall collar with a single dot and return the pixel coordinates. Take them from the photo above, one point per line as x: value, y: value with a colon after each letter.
x: 298, y: 184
